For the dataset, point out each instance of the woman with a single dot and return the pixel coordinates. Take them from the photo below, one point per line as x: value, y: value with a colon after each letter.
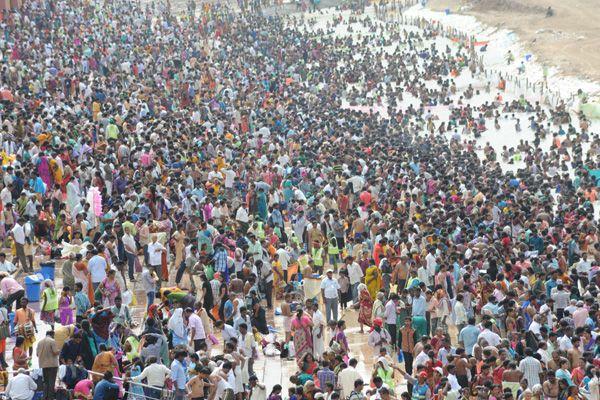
x: 105, y: 361
x: 177, y: 328
x: 25, y: 324
x: 278, y: 280
x: 340, y: 338
x: 309, y: 364
x: 302, y: 331
x: 20, y: 358
x: 373, y: 280
x: 365, y: 306
x: 89, y: 347
x: 65, y: 307
x: 49, y: 302
x: 383, y: 370
x: 109, y: 288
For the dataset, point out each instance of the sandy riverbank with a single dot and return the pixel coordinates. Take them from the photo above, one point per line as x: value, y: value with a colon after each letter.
x: 568, y: 40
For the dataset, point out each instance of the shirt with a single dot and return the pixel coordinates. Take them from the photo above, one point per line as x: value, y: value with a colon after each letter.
x: 97, y: 267
x: 103, y: 388
x: 178, y: 375
x: 129, y: 243
x: 195, y: 322
x: 346, y: 379
x: 468, y: 335
x: 82, y: 303
x: 21, y: 387
x: 531, y: 369
x: 330, y: 287
x: 419, y: 305
x: 9, y: 286
x: 325, y: 376
x: 155, y: 253
x: 229, y: 333
x: 492, y: 338
x: 18, y: 234
x: 155, y: 375
x: 355, y: 273
x: 390, y: 313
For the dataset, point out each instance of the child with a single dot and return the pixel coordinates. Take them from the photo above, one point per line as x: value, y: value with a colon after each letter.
x: 49, y: 302
x: 64, y: 306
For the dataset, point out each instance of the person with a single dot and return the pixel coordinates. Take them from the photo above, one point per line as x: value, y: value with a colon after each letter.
x: 177, y: 327
x: 109, y: 288
x: 104, y: 362
x: 318, y: 331
x: 25, y: 325
x: 155, y: 375
x: 19, y: 354
x: 379, y: 337
x: 196, y: 328
x: 199, y: 385
x: 47, y: 352
x: 365, y: 309
x: 65, y: 306
x: 12, y: 291
x: 302, y: 333
x: 373, y: 279
x: 258, y: 391
x: 106, y: 389
x: 356, y: 393
x: 531, y: 368
x: 347, y: 377
x: 329, y: 292
x: 21, y: 386
x: 82, y: 302
x: 178, y: 375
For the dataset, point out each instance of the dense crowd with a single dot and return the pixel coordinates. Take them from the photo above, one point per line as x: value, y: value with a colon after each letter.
x: 230, y: 166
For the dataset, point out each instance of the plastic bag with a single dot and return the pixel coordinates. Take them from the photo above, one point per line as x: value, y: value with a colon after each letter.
x: 127, y: 297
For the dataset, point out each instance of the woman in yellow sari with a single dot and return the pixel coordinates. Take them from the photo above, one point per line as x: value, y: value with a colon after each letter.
x: 373, y: 280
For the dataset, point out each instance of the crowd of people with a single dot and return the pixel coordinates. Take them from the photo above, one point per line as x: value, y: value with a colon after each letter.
x: 230, y: 168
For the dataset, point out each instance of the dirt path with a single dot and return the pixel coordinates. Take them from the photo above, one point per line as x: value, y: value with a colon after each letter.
x: 568, y: 40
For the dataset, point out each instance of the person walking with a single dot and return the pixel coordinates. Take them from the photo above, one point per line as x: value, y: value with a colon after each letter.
x: 329, y: 291
x: 47, y: 352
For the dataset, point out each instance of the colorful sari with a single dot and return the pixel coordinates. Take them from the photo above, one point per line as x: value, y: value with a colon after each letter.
x: 365, y: 310
x: 302, y: 337
x: 373, y: 280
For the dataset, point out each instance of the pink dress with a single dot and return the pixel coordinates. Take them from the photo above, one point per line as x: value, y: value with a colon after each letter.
x: 64, y: 308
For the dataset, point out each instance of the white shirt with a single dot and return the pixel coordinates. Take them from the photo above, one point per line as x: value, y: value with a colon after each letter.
x: 421, y: 359
x: 18, y: 234
x: 155, y: 253
x: 355, y: 273
x: 229, y: 333
x: 155, y: 374
x: 284, y: 258
x: 21, y: 387
x: 97, y: 267
x: 7, y: 266
x: 490, y: 337
x: 196, y: 322
x: 346, y: 378
x: 129, y: 243
x: 330, y: 288
x: 241, y: 215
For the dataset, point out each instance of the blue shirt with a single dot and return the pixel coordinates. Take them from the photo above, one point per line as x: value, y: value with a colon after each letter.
x: 468, y: 335
x: 103, y: 388
x: 419, y: 306
x: 178, y: 375
x: 82, y: 303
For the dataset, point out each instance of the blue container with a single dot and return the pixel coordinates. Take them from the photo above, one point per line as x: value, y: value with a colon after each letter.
x: 47, y: 270
x: 32, y: 286
x: 11, y: 320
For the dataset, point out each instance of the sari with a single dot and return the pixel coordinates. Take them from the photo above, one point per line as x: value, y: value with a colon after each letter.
x: 373, y: 280
x: 365, y: 309
x: 302, y: 337
x: 278, y: 282
x: 104, y: 362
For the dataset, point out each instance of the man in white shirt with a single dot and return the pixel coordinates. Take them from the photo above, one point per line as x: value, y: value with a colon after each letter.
x: 155, y: 250
x: 97, y: 266
x: 284, y: 259
x: 130, y: 251
x: 18, y: 234
x: 347, y: 377
x: 355, y: 273
x: 5, y: 265
x: 197, y: 334
x: 492, y: 338
x: 329, y: 291
x: 247, y: 345
x: 258, y: 391
x: 155, y: 375
x: 21, y: 387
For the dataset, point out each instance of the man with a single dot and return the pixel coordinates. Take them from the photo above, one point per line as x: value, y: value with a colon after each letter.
x: 247, y: 345
x: 550, y: 386
x: 357, y: 394
x: 155, y: 251
x: 21, y: 386
x: 243, y: 318
x: 258, y: 391
x: 531, y: 368
x: 390, y: 314
x: 329, y: 292
x: 18, y: 234
x: 197, y: 334
x: 130, y: 251
x: 347, y: 377
x: 407, y: 344
x: 379, y: 337
x: 106, y: 389
x: 492, y: 338
x: 11, y: 290
x: 47, y: 352
x: 325, y: 375
x: 467, y: 337
x: 179, y: 376
x: 5, y: 265
x: 97, y: 266
x: 122, y: 313
x: 82, y: 302
x: 355, y: 273
x: 155, y: 375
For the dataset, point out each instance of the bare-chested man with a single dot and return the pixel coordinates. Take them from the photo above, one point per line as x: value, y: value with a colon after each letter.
x: 550, y: 387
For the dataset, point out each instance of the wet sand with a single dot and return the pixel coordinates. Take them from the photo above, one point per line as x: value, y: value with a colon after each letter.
x: 569, y: 40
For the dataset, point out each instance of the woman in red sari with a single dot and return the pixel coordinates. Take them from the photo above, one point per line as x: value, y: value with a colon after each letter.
x: 302, y: 331
x: 365, y: 306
